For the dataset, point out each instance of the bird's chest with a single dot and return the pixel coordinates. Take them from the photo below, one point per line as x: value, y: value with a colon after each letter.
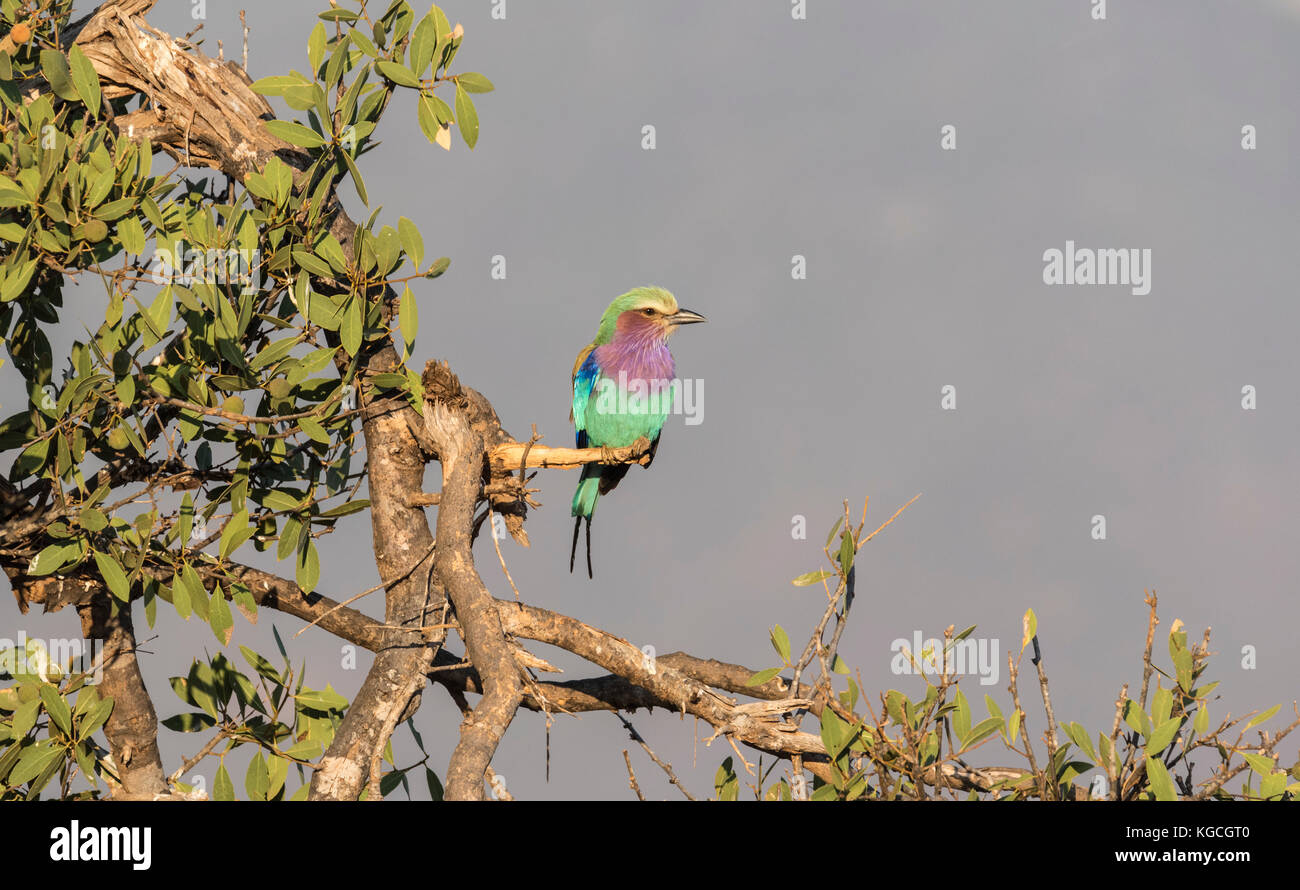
x: 632, y: 395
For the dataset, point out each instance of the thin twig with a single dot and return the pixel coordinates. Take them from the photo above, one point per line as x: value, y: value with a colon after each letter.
x: 667, y: 768
x: 631, y: 776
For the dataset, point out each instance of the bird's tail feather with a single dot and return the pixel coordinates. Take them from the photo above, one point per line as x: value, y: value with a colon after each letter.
x: 584, y: 505
x: 584, y: 499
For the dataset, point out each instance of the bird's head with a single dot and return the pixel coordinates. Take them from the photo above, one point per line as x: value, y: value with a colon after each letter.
x: 644, y: 313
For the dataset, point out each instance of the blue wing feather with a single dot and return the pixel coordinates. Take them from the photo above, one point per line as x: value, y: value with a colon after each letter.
x: 584, y: 380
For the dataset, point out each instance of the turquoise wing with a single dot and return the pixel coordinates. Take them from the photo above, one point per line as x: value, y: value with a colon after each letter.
x: 585, y: 373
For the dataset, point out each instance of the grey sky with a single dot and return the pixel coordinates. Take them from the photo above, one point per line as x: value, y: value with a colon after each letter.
x: 778, y: 137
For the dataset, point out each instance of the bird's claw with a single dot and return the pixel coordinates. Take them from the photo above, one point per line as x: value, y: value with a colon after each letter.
x: 608, y: 457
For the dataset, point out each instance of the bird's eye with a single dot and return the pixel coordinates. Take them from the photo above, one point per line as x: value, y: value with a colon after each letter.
x: 648, y: 312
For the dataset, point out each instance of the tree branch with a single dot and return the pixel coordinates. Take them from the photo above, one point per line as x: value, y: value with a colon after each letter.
x: 132, y: 727
x: 446, y: 417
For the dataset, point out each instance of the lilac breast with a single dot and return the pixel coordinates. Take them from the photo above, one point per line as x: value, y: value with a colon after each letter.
x: 637, y: 359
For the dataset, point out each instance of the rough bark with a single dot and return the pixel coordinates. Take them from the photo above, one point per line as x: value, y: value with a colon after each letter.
x: 132, y: 727
x: 403, y: 548
x: 462, y: 449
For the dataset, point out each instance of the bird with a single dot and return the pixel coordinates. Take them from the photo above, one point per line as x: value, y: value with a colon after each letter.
x: 622, y: 390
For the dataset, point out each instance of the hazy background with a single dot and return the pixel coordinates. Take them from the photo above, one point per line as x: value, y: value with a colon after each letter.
x: 778, y: 137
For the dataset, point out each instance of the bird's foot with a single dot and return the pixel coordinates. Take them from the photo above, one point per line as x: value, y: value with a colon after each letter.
x: 607, y: 456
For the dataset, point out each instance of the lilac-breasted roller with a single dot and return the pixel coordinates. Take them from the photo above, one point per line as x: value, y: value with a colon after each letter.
x: 623, y: 390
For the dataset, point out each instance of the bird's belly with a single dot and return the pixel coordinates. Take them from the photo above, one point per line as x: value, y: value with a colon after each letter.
x: 615, y: 422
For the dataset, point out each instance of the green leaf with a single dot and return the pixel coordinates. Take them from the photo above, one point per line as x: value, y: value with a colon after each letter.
x: 1162, y: 704
x: 1079, y: 736
x: 812, y: 578
x: 1183, y: 669
x: 442, y: 29
x: 466, y: 117
x: 981, y: 731
x: 1202, y: 722
x: 1161, y: 785
x: 15, y: 283
x: 357, y: 182
x: 113, y: 576
x: 321, y: 699
x: 192, y: 721
x: 398, y: 74
x: 223, y: 788
x: 24, y: 718
x: 54, y: 65
x: 84, y: 78
x: 307, y: 570
x: 1260, y: 763
x: 1272, y: 786
x: 219, y: 617
x: 439, y: 266
x: 279, y: 177
x: 781, y: 642
x: 961, y: 716
x: 131, y: 234
x: 346, y: 509
x: 263, y: 667
x: 160, y: 312
x: 314, y: 430
x: 194, y: 585
x: 363, y: 42
x: 847, y: 551
x: 351, y: 330
x: 1260, y: 718
x: 53, y: 558
x: 295, y: 134
x: 307, y: 749
x: 316, y: 47
x: 312, y: 263
x: 289, y: 533
x: 725, y: 782
x: 33, y: 761
x: 236, y: 532
x: 412, y: 242
x: 435, y: 786
x: 427, y: 113
x: 763, y: 676
x: 278, y: 768
x: 1163, y: 735
x: 1135, y: 717
x: 1029, y: 625
x: 473, y: 82
x: 257, y: 780
x: 57, y: 707
x: 834, y: 529
x: 835, y: 733
x: 273, y: 352
x: 276, y: 84
x: 282, y: 501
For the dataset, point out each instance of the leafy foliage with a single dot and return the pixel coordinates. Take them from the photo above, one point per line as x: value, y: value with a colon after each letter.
x: 226, y: 376
x: 924, y: 746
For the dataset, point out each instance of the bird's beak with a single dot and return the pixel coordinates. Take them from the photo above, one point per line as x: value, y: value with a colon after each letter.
x: 685, y: 316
